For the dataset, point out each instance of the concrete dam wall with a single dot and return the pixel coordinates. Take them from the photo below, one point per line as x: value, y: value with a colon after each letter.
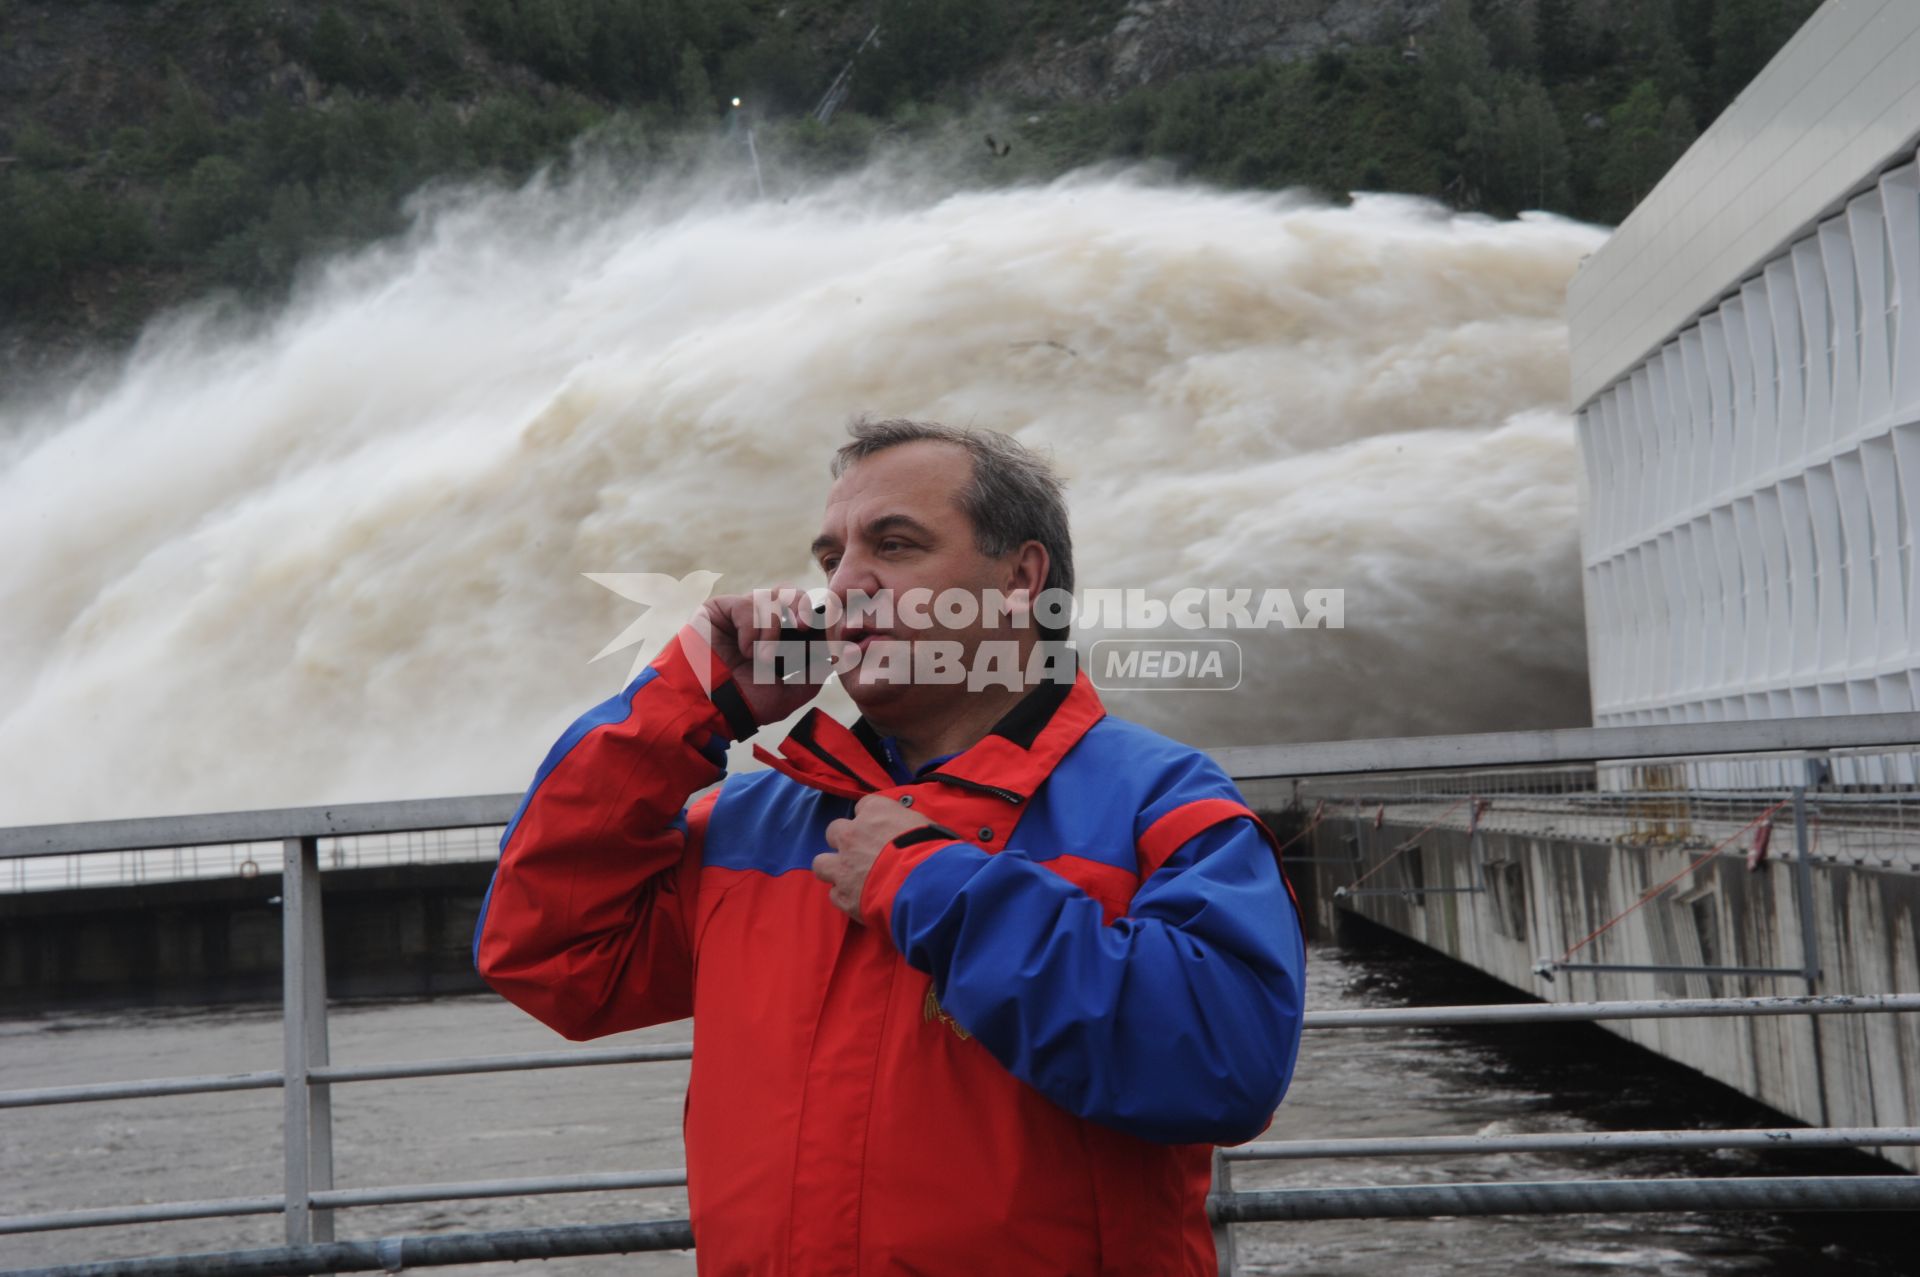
x: 1520, y: 897
x: 391, y: 931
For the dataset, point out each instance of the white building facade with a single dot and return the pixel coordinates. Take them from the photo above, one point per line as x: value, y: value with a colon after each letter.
x: 1746, y: 381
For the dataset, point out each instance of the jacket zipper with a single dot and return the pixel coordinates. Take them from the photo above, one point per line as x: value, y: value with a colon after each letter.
x: 961, y: 782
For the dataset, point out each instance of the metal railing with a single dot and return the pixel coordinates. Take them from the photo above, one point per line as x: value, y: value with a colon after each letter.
x: 245, y: 860
x: 310, y: 1198
x: 1561, y: 807
x: 1226, y: 1207
x: 1647, y: 804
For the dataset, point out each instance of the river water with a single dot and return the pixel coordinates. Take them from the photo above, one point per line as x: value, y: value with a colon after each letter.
x: 1373, y: 1082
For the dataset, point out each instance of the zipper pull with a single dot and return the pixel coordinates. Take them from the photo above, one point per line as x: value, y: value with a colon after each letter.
x: 961, y: 782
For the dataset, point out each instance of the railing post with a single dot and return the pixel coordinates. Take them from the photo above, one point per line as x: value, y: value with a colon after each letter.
x: 1476, y: 847
x: 1223, y: 1231
x: 1803, y: 889
x: 309, y: 1105
x: 1809, y: 935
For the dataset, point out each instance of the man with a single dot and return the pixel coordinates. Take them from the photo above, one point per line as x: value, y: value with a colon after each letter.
x: 976, y: 983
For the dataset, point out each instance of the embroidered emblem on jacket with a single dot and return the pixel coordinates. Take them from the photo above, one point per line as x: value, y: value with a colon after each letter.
x: 931, y: 1010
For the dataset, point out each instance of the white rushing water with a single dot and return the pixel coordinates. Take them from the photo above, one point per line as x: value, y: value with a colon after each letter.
x: 336, y: 552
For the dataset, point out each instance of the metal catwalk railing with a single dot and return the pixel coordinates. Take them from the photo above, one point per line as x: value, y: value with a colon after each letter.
x: 310, y: 1198
x: 245, y: 860
x: 1642, y: 804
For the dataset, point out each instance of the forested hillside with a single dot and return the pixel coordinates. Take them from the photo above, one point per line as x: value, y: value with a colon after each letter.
x: 151, y: 150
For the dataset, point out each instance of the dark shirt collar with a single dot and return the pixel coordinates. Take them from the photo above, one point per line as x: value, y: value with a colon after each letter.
x: 896, y: 763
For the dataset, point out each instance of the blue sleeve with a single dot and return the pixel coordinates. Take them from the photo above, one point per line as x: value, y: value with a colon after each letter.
x: 1179, y: 1022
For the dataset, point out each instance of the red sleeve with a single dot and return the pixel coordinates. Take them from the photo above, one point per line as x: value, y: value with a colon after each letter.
x: 586, y: 926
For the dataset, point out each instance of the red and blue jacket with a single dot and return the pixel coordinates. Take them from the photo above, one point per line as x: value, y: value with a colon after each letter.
x: 1088, y: 974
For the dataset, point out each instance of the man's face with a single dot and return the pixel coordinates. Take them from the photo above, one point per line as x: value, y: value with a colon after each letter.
x: 894, y: 524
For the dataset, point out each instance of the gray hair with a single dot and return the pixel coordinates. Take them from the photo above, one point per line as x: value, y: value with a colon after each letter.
x: 1014, y: 496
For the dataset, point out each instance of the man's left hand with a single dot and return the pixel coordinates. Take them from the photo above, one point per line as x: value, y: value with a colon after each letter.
x: 857, y: 843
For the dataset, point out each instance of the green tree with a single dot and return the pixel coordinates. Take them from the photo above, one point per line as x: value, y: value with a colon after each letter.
x: 130, y: 153
x: 497, y: 25
x: 382, y: 69
x: 692, y: 90
x: 360, y: 59
x: 331, y: 49
x: 1651, y: 46
x: 215, y: 200
x: 615, y: 48
x: 1677, y: 129
x: 185, y: 130
x: 925, y: 45
x: 1563, y: 32
x: 550, y: 40
x: 1694, y: 18
x: 1456, y: 78
x: 656, y: 35
x: 1478, y: 148
x: 36, y: 146
x: 435, y: 39
x: 1534, y: 164
x: 1645, y: 139
x: 1633, y: 160
x: 777, y: 72
x: 287, y: 232
x: 40, y: 247
x: 1746, y: 35
x: 1509, y: 27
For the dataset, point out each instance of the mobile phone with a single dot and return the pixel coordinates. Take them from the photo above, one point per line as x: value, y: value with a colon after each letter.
x: 785, y: 667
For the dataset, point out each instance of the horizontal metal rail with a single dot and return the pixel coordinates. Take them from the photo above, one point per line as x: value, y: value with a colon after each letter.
x: 393, y: 1254
x: 1571, y: 1197
x: 1578, y: 1142
x: 1673, y: 968
x: 664, y: 1053
x: 1425, y: 1146
x: 1654, y: 1009
x: 1552, y: 1197
x: 1366, y: 1018
x: 452, y: 1067
x: 156, y: 1213
x: 1589, y: 799
x: 1380, y: 1017
x: 93, y: 1092
x: 310, y: 1195
x: 1245, y: 762
x: 206, y: 829
x: 535, y: 1186
x: 1567, y: 745
x: 342, y: 1198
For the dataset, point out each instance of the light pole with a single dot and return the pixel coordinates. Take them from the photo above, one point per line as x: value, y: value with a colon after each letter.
x: 754, y: 152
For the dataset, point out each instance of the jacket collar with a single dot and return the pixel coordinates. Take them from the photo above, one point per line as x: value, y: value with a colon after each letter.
x: 1011, y: 760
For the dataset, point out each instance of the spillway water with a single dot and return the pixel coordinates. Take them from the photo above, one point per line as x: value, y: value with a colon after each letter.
x: 336, y: 551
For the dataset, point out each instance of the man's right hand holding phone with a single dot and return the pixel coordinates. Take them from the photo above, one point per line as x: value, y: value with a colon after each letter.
x: 743, y: 630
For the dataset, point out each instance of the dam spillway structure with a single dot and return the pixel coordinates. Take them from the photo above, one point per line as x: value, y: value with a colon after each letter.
x: 1745, y: 383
